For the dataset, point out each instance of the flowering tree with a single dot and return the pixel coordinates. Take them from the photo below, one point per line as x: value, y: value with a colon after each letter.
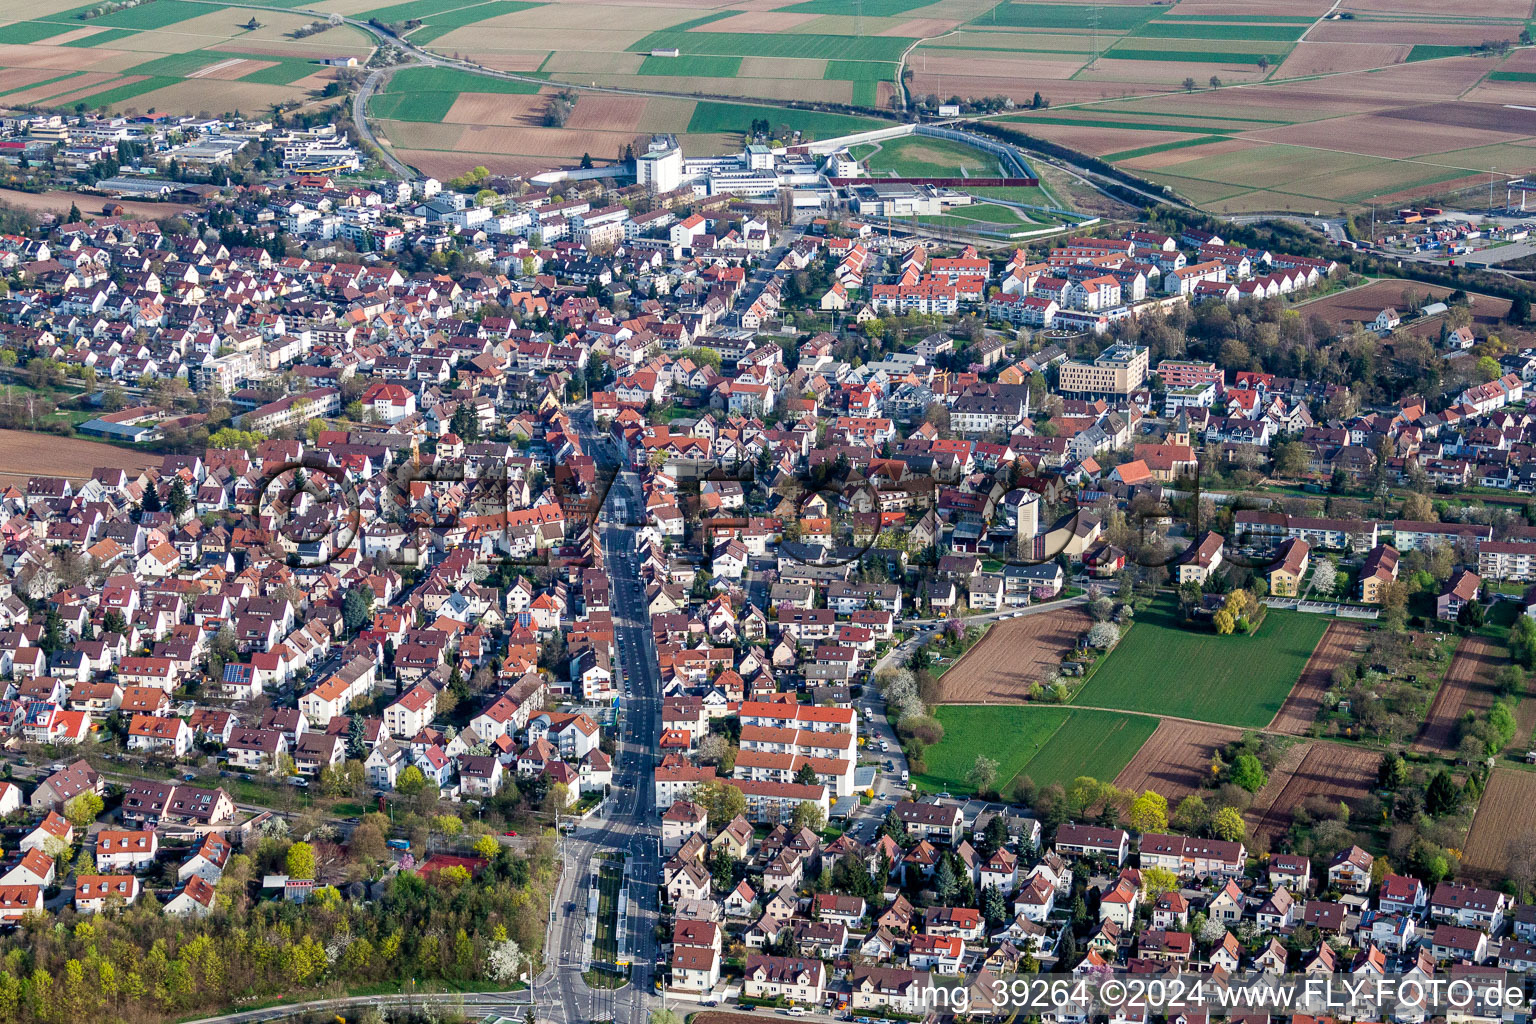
x: 503, y: 960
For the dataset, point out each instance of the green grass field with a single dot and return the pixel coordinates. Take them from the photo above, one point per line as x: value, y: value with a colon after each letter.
x: 737, y: 117
x: 1177, y: 28
x: 1075, y: 16
x: 981, y: 213
x: 692, y: 67
x: 1161, y: 668
x: 1048, y: 744
x: 1512, y: 76
x: 919, y: 156
x: 428, y: 93
x: 787, y: 44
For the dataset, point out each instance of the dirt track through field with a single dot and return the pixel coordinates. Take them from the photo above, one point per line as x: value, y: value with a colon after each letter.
x: 1176, y: 760
x: 1300, y: 709
x: 1014, y: 654
x: 1504, y: 814
x: 1332, y: 771
x: 1468, y: 686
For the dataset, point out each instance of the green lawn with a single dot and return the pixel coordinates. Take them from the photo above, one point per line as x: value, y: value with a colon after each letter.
x: 1161, y: 668
x: 917, y: 156
x: 1047, y: 743
x: 982, y: 213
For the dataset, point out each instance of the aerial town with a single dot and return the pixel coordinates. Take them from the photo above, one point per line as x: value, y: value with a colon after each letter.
x: 707, y: 585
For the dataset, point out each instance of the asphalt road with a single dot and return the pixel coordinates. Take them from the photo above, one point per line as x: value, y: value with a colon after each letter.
x: 628, y: 824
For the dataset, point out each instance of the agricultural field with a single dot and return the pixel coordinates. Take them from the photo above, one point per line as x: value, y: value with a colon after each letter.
x: 1332, y: 771
x: 1467, y: 688
x: 1175, y: 762
x: 163, y: 54
x: 1048, y: 744
x: 24, y: 454
x: 1360, y: 305
x: 1397, y: 83
x: 1161, y: 668
x: 1503, y: 817
x: 1015, y: 654
x: 1301, y: 707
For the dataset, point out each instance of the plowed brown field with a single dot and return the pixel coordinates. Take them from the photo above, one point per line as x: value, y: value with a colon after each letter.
x: 24, y: 454
x: 1300, y: 709
x: 1468, y: 686
x: 1013, y: 654
x: 1176, y: 759
x: 1329, y: 770
x: 1504, y: 814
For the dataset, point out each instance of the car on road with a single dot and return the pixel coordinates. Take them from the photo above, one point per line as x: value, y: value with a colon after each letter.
x: 510, y: 833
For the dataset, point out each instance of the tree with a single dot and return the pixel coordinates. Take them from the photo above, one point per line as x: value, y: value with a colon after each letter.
x: 1228, y: 825
x: 807, y: 814
x: 367, y: 842
x: 1248, y: 772
x: 1263, y: 64
x: 1083, y: 792
x: 994, y: 907
x: 1393, y: 771
x: 1325, y: 578
x: 1487, y: 368
x: 75, y: 216
x: 806, y: 776
x: 356, y: 608
x: 1103, y: 635
x: 1191, y: 814
x: 720, y: 800
x: 487, y: 846
x: 894, y: 827
x: 82, y: 809
x: 1291, y: 458
x: 1442, y: 797
x: 945, y: 886
x: 1158, y: 881
x: 1149, y: 812
x: 503, y: 959
x: 301, y: 860
x: 1519, y: 310
x: 1215, y: 82
x: 983, y: 774
x: 1189, y: 84
x: 177, y: 502
x: 410, y: 781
